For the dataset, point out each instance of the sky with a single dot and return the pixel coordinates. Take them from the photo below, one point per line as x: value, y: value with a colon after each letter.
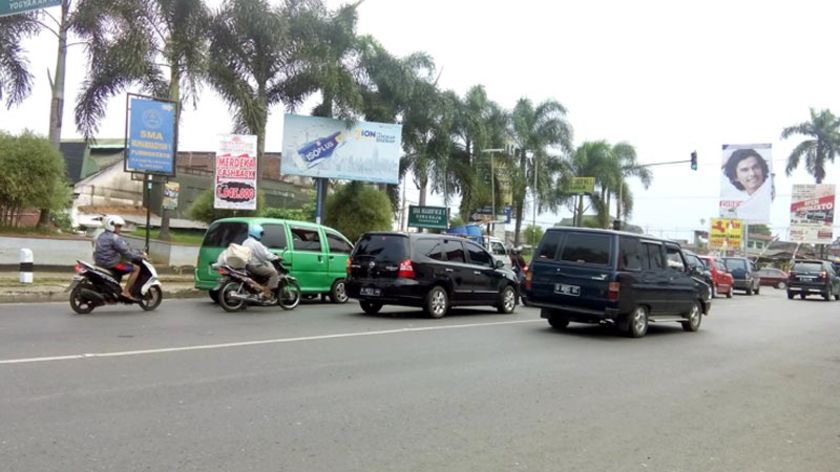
x: 667, y: 77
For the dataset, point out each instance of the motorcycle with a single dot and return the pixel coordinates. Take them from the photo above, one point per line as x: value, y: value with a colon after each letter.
x: 94, y: 286
x: 238, y: 288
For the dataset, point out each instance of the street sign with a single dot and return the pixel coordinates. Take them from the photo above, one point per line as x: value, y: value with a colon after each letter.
x: 150, y: 135
x: 13, y: 7
x: 485, y: 215
x: 580, y: 185
x: 428, y: 217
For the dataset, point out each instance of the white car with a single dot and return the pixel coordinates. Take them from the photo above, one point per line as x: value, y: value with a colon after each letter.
x: 499, y: 250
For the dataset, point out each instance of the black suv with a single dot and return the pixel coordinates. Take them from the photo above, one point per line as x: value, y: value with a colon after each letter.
x: 616, y: 278
x: 744, y: 274
x: 813, y: 277
x: 430, y: 271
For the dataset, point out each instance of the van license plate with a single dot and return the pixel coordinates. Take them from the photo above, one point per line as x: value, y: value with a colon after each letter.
x: 370, y: 292
x: 563, y: 289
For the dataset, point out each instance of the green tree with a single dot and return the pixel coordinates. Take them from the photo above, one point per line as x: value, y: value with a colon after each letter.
x: 202, y: 208
x: 626, y: 166
x: 15, y: 78
x: 591, y: 159
x: 822, y: 146
x: 533, y: 234
x: 357, y: 208
x: 32, y: 177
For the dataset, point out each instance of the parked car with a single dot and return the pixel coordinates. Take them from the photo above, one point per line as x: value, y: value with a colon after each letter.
x: 722, y: 280
x: 499, y: 250
x: 315, y: 255
x: 813, y: 277
x: 744, y: 274
x: 614, y: 278
x: 699, y: 268
x: 773, y: 277
x: 431, y: 271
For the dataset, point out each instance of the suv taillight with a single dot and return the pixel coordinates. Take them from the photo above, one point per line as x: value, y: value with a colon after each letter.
x: 406, y: 270
x: 612, y: 291
x: 349, y: 261
x: 528, y: 280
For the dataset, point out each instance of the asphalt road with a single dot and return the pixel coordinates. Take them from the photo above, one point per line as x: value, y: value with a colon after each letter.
x: 325, y: 388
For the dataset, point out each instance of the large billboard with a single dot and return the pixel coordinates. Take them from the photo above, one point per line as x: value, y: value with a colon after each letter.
x: 746, y: 183
x: 324, y: 147
x: 725, y: 233
x: 150, y: 135
x: 812, y: 213
x: 236, y: 172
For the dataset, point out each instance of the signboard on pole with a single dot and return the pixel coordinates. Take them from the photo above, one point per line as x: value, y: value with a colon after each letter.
x: 150, y: 135
x: 725, y: 233
x: 13, y: 7
x: 328, y: 148
x: 236, y: 172
x: 428, y: 217
x: 746, y: 183
x: 812, y: 213
x: 582, y: 185
x: 485, y: 215
x: 170, y: 195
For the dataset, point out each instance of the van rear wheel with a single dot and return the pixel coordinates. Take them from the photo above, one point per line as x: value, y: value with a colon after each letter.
x: 695, y: 315
x: 558, y: 323
x: 371, y: 308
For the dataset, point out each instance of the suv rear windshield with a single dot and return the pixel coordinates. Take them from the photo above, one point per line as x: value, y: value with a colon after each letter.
x: 807, y: 267
x: 586, y: 248
x: 383, y: 247
x: 222, y: 234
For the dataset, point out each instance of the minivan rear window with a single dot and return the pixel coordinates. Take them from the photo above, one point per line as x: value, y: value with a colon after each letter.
x: 586, y: 248
x: 223, y: 234
x: 383, y: 247
x: 807, y: 267
x: 735, y: 264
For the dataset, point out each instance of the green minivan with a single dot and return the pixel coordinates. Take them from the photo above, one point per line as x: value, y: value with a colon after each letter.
x: 315, y: 254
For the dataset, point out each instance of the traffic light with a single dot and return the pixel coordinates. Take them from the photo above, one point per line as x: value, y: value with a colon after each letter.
x: 693, y: 160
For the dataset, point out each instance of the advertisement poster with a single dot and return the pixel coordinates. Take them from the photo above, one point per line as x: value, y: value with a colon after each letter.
x: 236, y: 172
x: 812, y: 213
x: 746, y: 183
x: 170, y: 195
x: 150, y: 136
x: 726, y: 233
x: 324, y: 147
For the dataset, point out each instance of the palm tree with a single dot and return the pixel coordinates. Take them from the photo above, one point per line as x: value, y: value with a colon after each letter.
x: 15, y: 78
x: 824, y: 145
x: 591, y: 159
x: 626, y: 166
x: 534, y: 130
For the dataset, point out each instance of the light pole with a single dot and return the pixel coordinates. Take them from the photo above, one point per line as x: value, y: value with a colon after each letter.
x: 492, y: 187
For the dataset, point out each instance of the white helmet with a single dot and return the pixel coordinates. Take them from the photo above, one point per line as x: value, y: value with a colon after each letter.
x: 112, y: 221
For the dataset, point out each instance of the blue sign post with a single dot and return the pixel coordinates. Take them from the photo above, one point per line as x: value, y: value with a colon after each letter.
x: 151, y: 135
x: 13, y: 7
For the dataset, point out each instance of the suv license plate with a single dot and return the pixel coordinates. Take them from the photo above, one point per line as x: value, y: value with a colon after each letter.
x: 370, y: 292
x: 563, y: 289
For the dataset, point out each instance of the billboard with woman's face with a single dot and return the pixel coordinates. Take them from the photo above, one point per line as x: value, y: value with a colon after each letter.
x: 746, y: 183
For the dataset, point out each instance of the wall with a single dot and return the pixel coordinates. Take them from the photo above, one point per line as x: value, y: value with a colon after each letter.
x: 166, y: 254
x: 46, y: 251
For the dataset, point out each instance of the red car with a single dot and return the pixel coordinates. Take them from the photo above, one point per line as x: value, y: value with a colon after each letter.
x: 773, y: 277
x: 723, y: 279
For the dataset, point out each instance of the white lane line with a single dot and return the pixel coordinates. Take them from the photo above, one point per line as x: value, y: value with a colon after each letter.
x: 31, y: 360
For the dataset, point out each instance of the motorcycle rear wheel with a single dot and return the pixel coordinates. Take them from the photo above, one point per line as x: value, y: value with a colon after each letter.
x: 288, y: 294
x: 230, y: 304
x: 78, y: 303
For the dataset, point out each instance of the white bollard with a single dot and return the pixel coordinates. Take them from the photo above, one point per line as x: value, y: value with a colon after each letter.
x: 26, y: 265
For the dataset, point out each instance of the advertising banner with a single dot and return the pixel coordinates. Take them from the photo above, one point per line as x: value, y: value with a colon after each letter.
x: 150, y: 135
x: 12, y: 7
x: 170, y: 195
x: 582, y: 185
x: 427, y: 217
x: 746, y: 183
x: 726, y: 233
x: 324, y: 147
x: 812, y: 213
x: 236, y: 172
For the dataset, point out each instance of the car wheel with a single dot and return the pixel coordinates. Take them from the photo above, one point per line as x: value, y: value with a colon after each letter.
x: 790, y: 295
x: 558, y: 323
x: 781, y: 285
x: 837, y: 297
x: 749, y: 290
x: 507, y: 300
x: 695, y: 316
x: 338, y: 292
x: 437, y: 302
x: 757, y: 289
x: 803, y: 295
x: 729, y: 293
x: 638, y: 322
x: 214, y: 295
x: 714, y: 291
x: 371, y: 308
x: 826, y: 296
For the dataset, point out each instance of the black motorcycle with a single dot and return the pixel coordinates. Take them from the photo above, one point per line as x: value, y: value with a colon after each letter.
x: 94, y: 286
x: 238, y: 288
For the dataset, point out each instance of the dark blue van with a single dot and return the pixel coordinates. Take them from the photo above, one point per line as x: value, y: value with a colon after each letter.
x: 609, y: 277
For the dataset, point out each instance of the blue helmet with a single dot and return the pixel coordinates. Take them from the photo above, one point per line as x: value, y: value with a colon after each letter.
x: 256, y: 231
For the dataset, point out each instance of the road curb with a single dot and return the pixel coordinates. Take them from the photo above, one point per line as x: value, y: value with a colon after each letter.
x: 59, y: 295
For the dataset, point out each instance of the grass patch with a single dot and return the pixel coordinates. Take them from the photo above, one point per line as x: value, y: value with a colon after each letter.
x: 192, y: 238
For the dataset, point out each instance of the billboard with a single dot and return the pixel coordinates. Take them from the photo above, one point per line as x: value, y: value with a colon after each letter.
x: 236, y: 172
x: 581, y: 185
x: 746, y: 183
x: 324, y: 147
x: 812, y: 213
x: 150, y: 135
x: 725, y: 233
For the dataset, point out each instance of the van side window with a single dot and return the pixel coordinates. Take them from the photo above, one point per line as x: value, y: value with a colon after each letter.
x: 430, y: 247
x: 630, y: 251
x: 454, y: 251
x: 275, y: 236
x: 549, y: 244
x: 306, y: 239
x: 587, y: 248
x: 222, y: 234
x: 675, y: 259
x: 652, y: 256
x: 337, y: 244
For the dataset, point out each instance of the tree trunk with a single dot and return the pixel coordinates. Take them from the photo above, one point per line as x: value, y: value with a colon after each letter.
x: 518, y: 210
x: 175, y: 96
x: 424, y: 186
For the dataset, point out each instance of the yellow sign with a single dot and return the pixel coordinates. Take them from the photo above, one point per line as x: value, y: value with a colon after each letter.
x: 582, y: 185
x: 726, y: 233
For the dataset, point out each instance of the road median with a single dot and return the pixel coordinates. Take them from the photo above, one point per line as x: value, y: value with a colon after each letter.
x: 55, y: 292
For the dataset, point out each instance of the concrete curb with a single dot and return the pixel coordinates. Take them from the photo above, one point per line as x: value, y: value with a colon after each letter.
x: 59, y: 295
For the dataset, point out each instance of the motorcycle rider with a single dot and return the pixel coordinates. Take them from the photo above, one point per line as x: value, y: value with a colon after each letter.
x: 111, y: 250
x: 261, y: 260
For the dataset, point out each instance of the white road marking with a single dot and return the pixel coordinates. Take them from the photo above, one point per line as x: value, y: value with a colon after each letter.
x: 31, y: 360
